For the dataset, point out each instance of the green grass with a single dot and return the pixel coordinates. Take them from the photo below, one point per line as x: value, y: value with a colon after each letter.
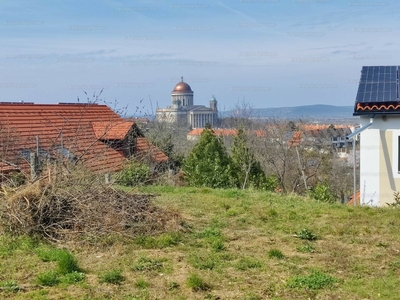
x: 231, y: 244
x: 141, y: 283
x: 306, y: 248
x: 245, y: 263
x: 275, y: 253
x: 314, y: 281
x: 9, y: 286
x: 67, y: 263
x: 196, y: 283
x: 306, y: 234
x: 49, y: 278
x: 149, y: 264
x: 112, y: 276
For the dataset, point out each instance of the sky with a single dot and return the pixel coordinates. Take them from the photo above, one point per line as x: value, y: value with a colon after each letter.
x: 265, y: 53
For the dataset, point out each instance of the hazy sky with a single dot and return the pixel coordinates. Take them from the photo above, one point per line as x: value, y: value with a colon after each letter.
x: 269, y: 53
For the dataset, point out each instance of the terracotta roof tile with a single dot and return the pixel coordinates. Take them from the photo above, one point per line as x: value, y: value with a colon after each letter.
x: 219, y: 132
x: 296, y: 138
x: 147, y: 148
x: 111, y: 130
x: 351, y: 202
x: 75, y: 127
x: 377, y: 107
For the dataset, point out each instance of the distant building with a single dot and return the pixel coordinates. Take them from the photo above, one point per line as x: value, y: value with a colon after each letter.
x: 183, y: 112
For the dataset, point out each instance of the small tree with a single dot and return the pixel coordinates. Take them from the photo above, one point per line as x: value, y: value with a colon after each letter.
x: 208, y: 164
x: 246, y: 169
x: 134, y: 173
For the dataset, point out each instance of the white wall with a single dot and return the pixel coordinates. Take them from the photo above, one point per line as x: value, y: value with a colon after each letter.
x: 369, y: 163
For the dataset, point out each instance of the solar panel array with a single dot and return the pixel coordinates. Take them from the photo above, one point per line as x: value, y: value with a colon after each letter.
x: 378, y: 84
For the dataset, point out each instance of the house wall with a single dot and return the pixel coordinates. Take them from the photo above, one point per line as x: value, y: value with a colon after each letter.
x: 379, y: 176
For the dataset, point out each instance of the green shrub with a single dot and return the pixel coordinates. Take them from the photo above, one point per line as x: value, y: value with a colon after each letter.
x: 208, y: 164
x: 321, y: 192
x: 196, y: 283
x: 112, y: 276
x: 275, y: 253
x: 133, y: 174
x: 271, y: 183
x: 314, y: 281
x: 49, y: 278
x: 246, y: 170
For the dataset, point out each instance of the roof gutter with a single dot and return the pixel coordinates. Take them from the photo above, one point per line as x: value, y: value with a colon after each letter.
x: 352, y: 135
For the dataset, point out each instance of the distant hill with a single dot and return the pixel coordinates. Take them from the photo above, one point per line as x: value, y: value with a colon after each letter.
x: 318, y: 112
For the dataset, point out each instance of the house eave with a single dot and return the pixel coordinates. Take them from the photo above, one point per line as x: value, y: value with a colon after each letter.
x: 376, y: 113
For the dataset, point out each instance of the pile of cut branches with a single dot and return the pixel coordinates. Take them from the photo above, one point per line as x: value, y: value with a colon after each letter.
x: 65, y: 211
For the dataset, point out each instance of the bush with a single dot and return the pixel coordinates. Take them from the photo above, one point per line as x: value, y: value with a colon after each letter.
x: 321, y: 192
x: 208, y: 164
x: 134, y: 173
x: 246, y: 170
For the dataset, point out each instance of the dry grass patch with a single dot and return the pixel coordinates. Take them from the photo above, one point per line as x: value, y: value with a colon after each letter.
x: 357, y: 247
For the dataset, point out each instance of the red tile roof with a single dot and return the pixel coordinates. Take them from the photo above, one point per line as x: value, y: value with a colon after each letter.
x: 375, y: 107
x: 219, y: 132
x: 296, y: 138
x: 111, y: 130
x: 144, y: 146
x: 351, y: 202
x: 75, y: 127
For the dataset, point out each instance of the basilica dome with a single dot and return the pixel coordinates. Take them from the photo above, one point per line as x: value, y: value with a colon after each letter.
x: 182, y: 87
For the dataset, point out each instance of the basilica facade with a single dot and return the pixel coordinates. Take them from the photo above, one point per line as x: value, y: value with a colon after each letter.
x: 184, y: 112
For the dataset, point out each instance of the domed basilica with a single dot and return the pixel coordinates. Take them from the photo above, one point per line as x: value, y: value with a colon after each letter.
x: 183, y: 112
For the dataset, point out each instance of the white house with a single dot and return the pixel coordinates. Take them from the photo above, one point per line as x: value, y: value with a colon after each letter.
x: 378, y: 105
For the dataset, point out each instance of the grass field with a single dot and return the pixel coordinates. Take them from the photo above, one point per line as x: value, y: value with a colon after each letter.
x: 232, y: 244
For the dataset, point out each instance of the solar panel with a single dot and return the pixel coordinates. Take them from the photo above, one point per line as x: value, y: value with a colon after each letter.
x: 378, y: 84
